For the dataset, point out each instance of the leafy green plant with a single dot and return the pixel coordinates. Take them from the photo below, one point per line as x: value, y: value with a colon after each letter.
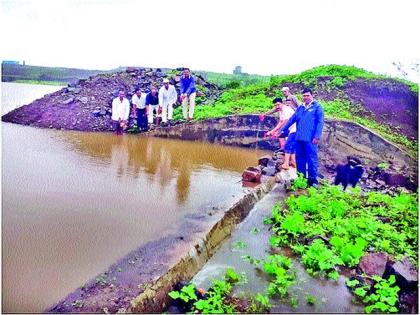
x: 251, y: 260
x: 299, y: 183
x: 231, y: 276
x: 186, y: 294
x: 349, y: 252
x: 239, y: 245
x: 294, y: 223
x: 215, y: 302
x: 310, y: 299
x: 264, y: 304
x: 319, y: 259
x: 383, y: 165
x: 279, y: 267
x: 255, y: 230
x: 385, y: 296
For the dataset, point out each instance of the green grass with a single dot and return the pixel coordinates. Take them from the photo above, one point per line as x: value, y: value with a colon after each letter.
x: 38, y: 82
x: 350, y: 221
x: 256, y: 98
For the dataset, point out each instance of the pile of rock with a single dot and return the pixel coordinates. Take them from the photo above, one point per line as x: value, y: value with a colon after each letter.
x: 86, y: 105
x: 406, y: 275
x: 267, y: 165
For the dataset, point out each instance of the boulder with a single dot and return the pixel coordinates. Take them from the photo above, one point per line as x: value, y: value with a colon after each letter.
x: 96, y: 113
x: 263, y: 161
x: 269, y: 171
x: 409, y: 302
x: 405, y: 273
x: 252, y: 174
x: 374, y: 263
x: 68, y: 101
x: 84, y: 100
x: 395, y: 179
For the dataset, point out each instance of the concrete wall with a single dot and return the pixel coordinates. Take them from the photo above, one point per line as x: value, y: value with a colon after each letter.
x: 339, y: 139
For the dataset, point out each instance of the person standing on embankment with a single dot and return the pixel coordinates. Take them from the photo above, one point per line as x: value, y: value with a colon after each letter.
x: 152, y: 104
x: 188, y: 93
x: 139, y: 101
x: 285, y: 113
x: 309, y: 119
x: 167, y: 99
x: 290, y: 97
x: 120, y: 112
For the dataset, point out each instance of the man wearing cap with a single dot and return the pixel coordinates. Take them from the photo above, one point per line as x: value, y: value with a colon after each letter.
x: 139, y: 101
x: 188, y: 92
x: 167, y: 99
x: 309, y: 119
x: 290, y: 96
x: 152, y: 104
x: 120, y: 112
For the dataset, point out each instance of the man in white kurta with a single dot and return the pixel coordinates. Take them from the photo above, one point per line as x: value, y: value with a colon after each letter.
x: 120, y: 112
x: 167, y: 99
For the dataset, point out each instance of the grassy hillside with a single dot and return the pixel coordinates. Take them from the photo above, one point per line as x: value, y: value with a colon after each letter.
x: 13, y: 73
x: 227, y: 80
x: 331, y: 85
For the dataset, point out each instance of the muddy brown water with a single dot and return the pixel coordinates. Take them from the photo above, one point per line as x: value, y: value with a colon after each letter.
x: 73, y: 203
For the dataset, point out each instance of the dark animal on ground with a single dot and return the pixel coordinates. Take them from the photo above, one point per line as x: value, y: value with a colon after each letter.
x: 349, y: 173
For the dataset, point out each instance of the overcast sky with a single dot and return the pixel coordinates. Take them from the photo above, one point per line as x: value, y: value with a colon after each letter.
x: 264, y: 37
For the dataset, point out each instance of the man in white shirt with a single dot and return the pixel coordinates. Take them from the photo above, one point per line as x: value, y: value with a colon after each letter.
x: 139, y: 101
x: 285, y: 112
x: 167, y: 99
x: 290, y: 146
x: 120, y: 112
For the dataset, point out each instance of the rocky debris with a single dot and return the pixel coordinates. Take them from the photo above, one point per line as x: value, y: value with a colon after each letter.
x: 395, y: 179
x: 408, y: 302
x: 373, y: 264
x: 263, y: 161
x: 269, y: 171
x: 68, y: 101
x: 405, y: 273
x: 286, y: 177
x: 84, y: 98
x: 252, y: 174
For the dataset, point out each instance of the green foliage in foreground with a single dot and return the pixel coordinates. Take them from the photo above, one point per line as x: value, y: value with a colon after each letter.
x: 215, y: 301
x: 329, y: 228
x: 350, y: 222
x: 383, y: 298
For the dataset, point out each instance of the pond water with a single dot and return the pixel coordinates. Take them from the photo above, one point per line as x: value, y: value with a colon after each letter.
x: 73, y: 203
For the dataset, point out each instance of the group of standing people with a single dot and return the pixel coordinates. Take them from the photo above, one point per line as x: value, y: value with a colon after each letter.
x: 302, y: 126
x: 155, y: 105
x: 299, y: 128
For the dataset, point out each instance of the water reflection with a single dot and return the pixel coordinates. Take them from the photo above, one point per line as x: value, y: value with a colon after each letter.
x: 73, y: 203
x: 160, y: 160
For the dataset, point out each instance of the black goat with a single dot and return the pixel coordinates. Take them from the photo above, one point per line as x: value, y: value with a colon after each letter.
x: 349, y: 173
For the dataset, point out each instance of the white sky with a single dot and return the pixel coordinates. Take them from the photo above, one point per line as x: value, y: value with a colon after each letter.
x: 264, y: 37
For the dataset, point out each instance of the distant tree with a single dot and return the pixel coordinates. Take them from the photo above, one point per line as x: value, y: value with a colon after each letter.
x: 237, y: 70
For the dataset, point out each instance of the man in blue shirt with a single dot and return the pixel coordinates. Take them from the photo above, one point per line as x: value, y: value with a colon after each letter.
x: 187, y: 87
x: 309, y: 119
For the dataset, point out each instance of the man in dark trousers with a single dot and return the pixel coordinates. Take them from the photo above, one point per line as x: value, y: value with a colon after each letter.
x: 309, y: 119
